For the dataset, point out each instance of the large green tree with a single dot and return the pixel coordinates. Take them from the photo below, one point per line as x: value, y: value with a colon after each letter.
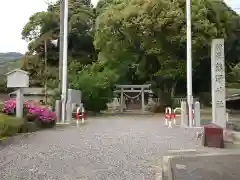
x: 45, y: 26
x: 151, y: 35
x: 136, y: 42
x: 94, y: 80
x: 234, y: 77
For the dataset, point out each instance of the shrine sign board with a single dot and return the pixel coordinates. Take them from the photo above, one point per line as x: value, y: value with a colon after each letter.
x: 218, y: 83
x: 17, y: 78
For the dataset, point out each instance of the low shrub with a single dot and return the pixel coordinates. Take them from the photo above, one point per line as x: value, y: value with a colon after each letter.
x: 32, y: 112
x: 205, y: 98
x: 35, y: 117
x: 28, y: 127
x: 156, y: 108
x: 1, y: 107
x: 9, y: 125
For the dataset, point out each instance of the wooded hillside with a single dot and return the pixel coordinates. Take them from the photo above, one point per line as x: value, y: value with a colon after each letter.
x: 133, y: 42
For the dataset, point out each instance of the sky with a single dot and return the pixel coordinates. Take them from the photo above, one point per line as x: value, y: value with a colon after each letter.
x: 14, y: 14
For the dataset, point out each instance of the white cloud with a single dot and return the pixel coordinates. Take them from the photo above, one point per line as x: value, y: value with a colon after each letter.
x: 94, y: 2
x: 14, y: 14
x: 235, y: 4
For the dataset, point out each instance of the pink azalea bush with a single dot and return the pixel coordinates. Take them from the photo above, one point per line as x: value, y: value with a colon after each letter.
x: 44, y: 114
x: 41, y: 113
x: 9, y: 106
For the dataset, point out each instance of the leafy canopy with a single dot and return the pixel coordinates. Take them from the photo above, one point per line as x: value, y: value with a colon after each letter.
x: 132, y: 42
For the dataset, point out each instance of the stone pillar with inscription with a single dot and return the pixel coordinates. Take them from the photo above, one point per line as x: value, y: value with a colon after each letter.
x: 197, y: 114
x: 218, y: 83
x: 143, y: 100
x: 58, y: 110
x: 184, y: 117
x: 121, y: 101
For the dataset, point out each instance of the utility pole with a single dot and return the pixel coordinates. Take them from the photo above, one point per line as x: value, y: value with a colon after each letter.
x: 45, y: 69
x: 61, y: 42
x: 189, y: 63
x: 64, y: 64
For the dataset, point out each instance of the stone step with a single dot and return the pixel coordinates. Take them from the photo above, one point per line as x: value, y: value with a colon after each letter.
x: 235, y: 141
x: 232, y: 145
x: 184, y: 155
x: 166, y: 169
x: 236, y: 137
x: 233, y: 125
x: 184, y: 152
x: 232, y: 140
x: 221, y: 165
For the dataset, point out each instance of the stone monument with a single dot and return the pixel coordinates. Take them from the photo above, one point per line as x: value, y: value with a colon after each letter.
x: 74, y: 100
x: 196, y: 114
x: 218, y: 83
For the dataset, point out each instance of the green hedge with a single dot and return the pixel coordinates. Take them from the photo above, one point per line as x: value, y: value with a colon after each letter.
x: 1, y: 107
x: 10, y: 126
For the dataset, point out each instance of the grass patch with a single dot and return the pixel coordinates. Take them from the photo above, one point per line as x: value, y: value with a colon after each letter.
x: 10, y: 126
x: 3, y: 138
x: 1, y: 106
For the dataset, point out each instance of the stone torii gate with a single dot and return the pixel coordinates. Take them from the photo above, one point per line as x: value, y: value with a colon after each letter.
x: 145, y: 88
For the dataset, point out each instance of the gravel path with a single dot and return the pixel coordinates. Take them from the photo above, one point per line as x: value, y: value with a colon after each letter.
x: 105, y: 148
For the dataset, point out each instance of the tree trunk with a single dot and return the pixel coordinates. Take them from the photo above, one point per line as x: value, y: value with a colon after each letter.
x: 173, y: 89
